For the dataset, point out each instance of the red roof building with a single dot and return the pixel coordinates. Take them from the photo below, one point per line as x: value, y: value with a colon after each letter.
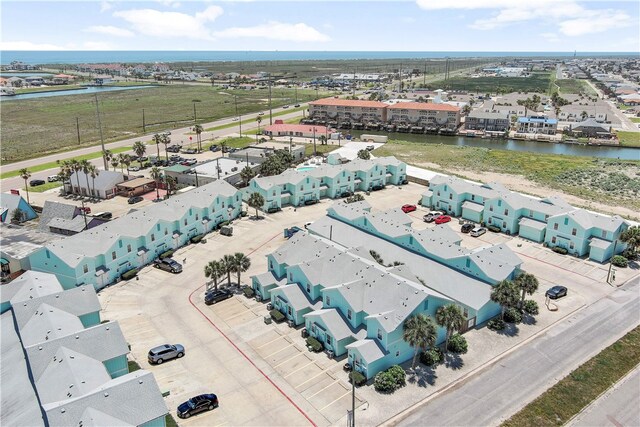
x: 303, y: 131
x: 348, y: 110
x: 424, y: 114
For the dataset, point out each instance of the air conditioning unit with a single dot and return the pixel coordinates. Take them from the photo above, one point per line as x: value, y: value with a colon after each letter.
x: 330, y: 354
x: 290, y: 323
x: 258, y: 298
x: 304, y: 333
x: 269, y: 306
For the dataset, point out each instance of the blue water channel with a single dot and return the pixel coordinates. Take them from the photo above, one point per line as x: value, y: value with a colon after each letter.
x: 83, y: 91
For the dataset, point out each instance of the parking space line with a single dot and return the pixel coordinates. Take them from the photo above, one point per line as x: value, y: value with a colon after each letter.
x: 325, y: 407
x: 274, y: 340
x: 289, y: 359
x: 324, y: 388
x: 324, y: 372
x: 239, y: 350
x: 311, y: 362
x: 278, y: 351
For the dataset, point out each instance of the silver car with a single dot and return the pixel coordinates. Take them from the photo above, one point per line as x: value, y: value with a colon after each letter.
x: 477, y: 232
x: 161, y: 353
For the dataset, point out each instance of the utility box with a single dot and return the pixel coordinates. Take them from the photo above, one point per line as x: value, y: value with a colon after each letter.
x: 226, y: 230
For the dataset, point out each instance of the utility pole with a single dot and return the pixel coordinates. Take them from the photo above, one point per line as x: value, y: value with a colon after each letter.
x: 270, y: 109
x: 195, y: 114
x: 144, y: 126
x: 424, y: 75
x: 104, y: 159
x: 78, y: 130
x: 615, y: 243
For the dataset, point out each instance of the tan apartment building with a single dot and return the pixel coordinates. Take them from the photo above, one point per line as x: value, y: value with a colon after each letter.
x: 348, y: 110
x: 424, y: 114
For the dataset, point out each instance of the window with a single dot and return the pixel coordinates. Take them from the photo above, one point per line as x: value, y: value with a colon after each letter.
x: 166, y: 231
x: 270, y: 265
x: 349, y: 314
x: 348, y: 179
x: 328, y: 339
x: 504, y: 224
x: 473, y: 197
x: 153, y: 237
x: 546, y: 218
x: 129, y: 248
x: 426, y: 304
x: 197, y: 217
x: 489, y: 221
x: 113, y: 255
x: 506, y: 211
x: 328, y: 300
x: 308, y: 288
x: 274, y: 192
x: 379, y: 334
x: 222, y: 205
x: 301, y: 188
x: 397, y: 353
x: 566, y: 221
x: 438, y: 192
x: 553, y: 239
x: 573, y: 232
x: 119, y: 243
x: 468, y: 263
x: 555, y: 226
x: 499, y: 202
x: 530, y: 213
x: 85, y: 268
x: 291, y: 277
x: 491, y: 208
x: 289, y: 310
x: 450, y: 196
x: 571, y: 245
x: 604, y: 234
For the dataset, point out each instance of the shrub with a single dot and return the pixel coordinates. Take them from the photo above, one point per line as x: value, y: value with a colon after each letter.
x: 398, y: 375
x: 431, y: 357
x: 458, y: 344
x: 314, y: 344
x: 196, y: 239
x: 629, y: 254
x: 277, y: 315
x: 130, y: 274
x: 512, y: 315
x: 248, y: 292
x: 357, y: 377
x: 493, y: 228
x: 496, y: 324
x: 619, y: 261
x: 531, y: 307
x: 384, y: 382
x: 243, y: 214
x: 559, y: 250
x: 223, y: 223
x: 167, y: 254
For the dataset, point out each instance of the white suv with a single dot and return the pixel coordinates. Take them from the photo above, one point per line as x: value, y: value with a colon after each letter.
x: 478, y: 231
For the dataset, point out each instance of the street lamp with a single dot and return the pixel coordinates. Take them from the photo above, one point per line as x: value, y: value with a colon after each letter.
x: 354, y: 365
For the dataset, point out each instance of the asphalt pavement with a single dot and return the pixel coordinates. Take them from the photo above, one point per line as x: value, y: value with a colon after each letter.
x: 504, y: 387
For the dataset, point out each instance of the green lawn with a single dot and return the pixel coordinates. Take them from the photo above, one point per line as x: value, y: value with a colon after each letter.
x: 606, y: 180
x: 481, y: 85
x: 252, y: 120
x: 574, y: 86
x: 629, y: 139
x: 560, y: 403
x: 51, y: 165
x: 133, y: 366
x: 635, y: 119
x: 34, y: 127
x: 320, y: 149
x: 44, y: 187
x: 48, y: 89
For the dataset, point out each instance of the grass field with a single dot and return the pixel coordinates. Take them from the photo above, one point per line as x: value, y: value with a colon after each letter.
x: 33, y: 127
x: 615, y: 182
x: 574, y: 86
x: 44, y: 187
x: 51, y: 165
x: 629, y: 139
x: 560, y: 403
x: 481, y: 85
x: 635, y: 119
x: 71, y: 88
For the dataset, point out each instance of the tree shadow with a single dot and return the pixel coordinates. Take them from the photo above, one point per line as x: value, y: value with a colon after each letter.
x: 421, y: 375
x: 510, y: 330
x: 256, y: 217
x: 528, y: 319
x: 453, y: 361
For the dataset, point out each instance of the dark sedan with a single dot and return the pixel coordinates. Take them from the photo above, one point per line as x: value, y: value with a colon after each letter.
x: 36, y: 182
x: 197, y: 404
x: 216, y: 295
x: 466, y: 228
x: 556, y: 292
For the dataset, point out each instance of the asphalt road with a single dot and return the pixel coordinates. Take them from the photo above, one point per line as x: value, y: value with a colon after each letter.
x: 177, y: 135
x: 503, y: 388
x: 620, y: 406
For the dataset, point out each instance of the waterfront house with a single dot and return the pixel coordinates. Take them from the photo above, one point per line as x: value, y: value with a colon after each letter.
x: 430, y: 115
x: 487, y: 121
x: 348, y: 110
x: 538, y: 124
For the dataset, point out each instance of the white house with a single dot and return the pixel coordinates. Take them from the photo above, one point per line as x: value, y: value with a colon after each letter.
x: 103, y: 186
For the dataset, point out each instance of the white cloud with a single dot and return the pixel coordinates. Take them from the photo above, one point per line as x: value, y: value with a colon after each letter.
x: 109, y: 30
x: 170, y: 3
x: 25, y: 45
x: 467, y: 4
x: 171, y: 24
x: 104, y: 6
x: 551, y: 37
x: 595, y: 22
x: 273, y: 30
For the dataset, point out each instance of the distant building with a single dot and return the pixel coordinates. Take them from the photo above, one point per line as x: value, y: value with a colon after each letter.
x: 103, y: 186
x: 300, y: 131
x: 494, y: 122
x: 348, y: 110
x: 259, y: 153
x: 590, y: 128
x: 8, y: 205
x: 424, y: 114
x: 537, y: 124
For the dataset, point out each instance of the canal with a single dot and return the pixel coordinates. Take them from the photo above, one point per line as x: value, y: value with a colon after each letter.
x: 515, y: 145
x: 79, y: 91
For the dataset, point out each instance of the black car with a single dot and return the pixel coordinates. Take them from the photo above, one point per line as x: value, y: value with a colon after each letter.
x: 197, y: 404
x: 467, y: 227
x: 556, y: 292
x: 346, y: 194
x: 214, y: 148
x: 168, y: 264
x: 36, y: 182
x: 377, y: 187
x: 216, y: 295
x: 135, y: 199
x: 273, y: 209
x: 310, y: 202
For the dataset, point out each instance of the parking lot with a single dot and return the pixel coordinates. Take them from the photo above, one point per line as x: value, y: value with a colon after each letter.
x: 263, y: 374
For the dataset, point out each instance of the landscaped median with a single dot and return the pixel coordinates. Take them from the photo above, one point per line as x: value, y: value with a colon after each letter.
x: 568, y: 397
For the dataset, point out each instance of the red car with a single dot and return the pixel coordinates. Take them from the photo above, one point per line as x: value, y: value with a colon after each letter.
x: 408, y: 208
x: 442, y: 219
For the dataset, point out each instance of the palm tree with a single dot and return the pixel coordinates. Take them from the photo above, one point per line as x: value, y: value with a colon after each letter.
x: 228, y: 262
x: 214, y: 270
x: 198, y: 130
x: 631, y: 236
x: 76, y: 167
x: 584, y: 115
x: 171, y: 184
x: 420, y: 332
x: 157, y: 139
x: 451, y: 318
x: 242, y: 264
x: 115, y: 163
x: 247, y: 174
x: 156, y: 175
x: 94, y: 172
x: 108, y: 156
x: 86, y: 167
x: 65, y: 172
x: 120, y: 159
x: 126, y: 161
x: 528, y: 283
x: 140, y: 149
x: 25, y: 174
x: 323, y: 139
x: 256, y: 201
x: 166, y: 140
x: 259, y: 120
x: 506, y: 294
x: 223, y: 147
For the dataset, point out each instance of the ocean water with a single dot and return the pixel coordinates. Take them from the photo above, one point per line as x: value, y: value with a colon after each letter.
x: 129, y: 56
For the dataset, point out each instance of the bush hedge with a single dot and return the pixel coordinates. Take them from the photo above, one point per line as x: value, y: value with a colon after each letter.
x: 223, y: 223
x: 458, y: 344
x: 248, y: 292
x: 277, y: 315
x: 531, y: 307
x: 629, y: 254
x: 493, y: 228
x: 559, y: 250
x: 357, y: 377
x: 130, y: 274
x: 314, y: 344
x: 390, y: 380
x: 197, y: 239
x: 496, y: 324
x: 167, y: 254
x: 512, y: 315
x: 620, y: 261
x: 398, y: 375
x: 431, y: 357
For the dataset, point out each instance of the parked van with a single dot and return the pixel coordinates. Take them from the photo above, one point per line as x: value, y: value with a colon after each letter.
x: 53, y: 178
x: 226, y: 230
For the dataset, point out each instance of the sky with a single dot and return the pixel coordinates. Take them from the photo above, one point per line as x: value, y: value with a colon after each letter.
x: 402, y: 25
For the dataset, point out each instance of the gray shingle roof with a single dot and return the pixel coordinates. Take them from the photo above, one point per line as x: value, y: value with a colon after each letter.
x: 461, y: 186
x: 31, y: 284
x: 48, y: 323
x: 76, y: 224
x: 18, y: 401
x: 302, y: 247
x: 532, y: 223
x: 588, y: 220
x: 336, y: 324
x: 9, y: 201
x: 369, y: 349
x: 297, y: 298
x: 52, y: 210
x: 105, y: 179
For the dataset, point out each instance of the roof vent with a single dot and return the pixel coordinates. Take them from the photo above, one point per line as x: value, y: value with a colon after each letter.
x: 106, y: 394
x: 62, y: 410
x: 77, y: 337
x: 39, y: 347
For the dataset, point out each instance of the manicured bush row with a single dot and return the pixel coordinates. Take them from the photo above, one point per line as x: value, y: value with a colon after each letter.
x: 559, y: 250
x: 620, y: 261
x: 496, y: 324
x: 248, y: 292
x: 130, y: 274
x: 277, y: 315
x: 493, y: 228
x: 197, y: 239
x: 314, y: 344
x: 166, y: 254
x: 390, y: 380
x: 512, y: 315
x: 357, y: 377
x: 531, y: 307
x: 458, y: 344
x: 431, y: 357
